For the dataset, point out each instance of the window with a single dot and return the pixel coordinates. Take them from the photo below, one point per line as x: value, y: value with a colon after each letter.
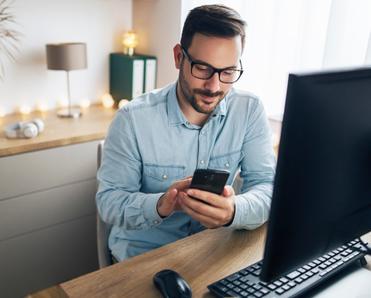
x: 302, y: 35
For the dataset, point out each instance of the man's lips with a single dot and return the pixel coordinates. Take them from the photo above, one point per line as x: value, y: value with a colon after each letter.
x: 208, y: 100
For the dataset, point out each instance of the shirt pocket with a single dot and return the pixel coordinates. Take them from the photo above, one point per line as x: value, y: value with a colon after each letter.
x: 158, y: 178
x: 228, y: 161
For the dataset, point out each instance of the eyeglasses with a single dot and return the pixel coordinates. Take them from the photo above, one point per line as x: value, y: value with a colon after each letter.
x: 204, y: 71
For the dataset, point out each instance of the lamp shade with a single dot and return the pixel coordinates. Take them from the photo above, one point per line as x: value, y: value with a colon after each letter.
x: 66, y: 56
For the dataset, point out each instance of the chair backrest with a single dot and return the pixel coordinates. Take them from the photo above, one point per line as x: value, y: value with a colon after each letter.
x: 103, y: 229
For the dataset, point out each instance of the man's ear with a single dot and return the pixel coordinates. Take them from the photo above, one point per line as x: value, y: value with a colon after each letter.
x: 178, y: 55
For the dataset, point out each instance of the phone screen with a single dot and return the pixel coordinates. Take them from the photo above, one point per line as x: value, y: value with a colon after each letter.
x: 210, y: 180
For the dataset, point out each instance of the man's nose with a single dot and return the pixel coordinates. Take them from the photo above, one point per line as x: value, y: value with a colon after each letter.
x: 213, y: 84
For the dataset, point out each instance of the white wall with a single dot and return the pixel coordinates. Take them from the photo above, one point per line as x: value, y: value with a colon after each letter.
x: 99, y: 23
x: 158, y: 24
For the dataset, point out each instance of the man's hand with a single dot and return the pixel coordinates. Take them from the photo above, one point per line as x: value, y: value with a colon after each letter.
x: 209, y: 209
x: 169, y: 200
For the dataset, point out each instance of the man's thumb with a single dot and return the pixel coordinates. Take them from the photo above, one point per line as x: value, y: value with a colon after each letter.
x: 228, y: 191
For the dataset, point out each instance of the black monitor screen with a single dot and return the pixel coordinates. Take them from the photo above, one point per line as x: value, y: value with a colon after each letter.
x: 322, y: 189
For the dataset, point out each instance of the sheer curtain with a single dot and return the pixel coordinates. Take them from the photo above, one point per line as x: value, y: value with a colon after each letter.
x: 295, y: 35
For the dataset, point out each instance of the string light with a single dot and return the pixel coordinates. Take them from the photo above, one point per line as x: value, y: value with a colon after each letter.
x: 2, y: 112
x: 25, y: 109
x: 107, y: 100
x: 62, y: 102
x: 85, y: 103
x: 42, y: 106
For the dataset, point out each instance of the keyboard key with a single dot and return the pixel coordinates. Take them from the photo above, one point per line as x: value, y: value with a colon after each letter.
x: 233, y: 277
x: 284, y: 280
x: 244, y: 272
x: 317, y: 262
x: 301, y: 270
x: 243, y: 287
x: 272, y: 287
x: 258, y: 294
x: 244, y: 279
x: 257, y: 287
x: 293, y: 275
x: 232, y: 293
x: 286, y: 287
x: 315, y: 270
x: 222, y: 288
x: 251, y: 290
x: 256, y: 272
x: 244, y: 294
x: 237, y: 282
x: 264, y: 291
x: 306, y: 267
x: 278, y: 283
x: 291, y: 284
x: 255, y: 267
x: 280, y: 291
x: 298, y: 280
x: 262, y: 283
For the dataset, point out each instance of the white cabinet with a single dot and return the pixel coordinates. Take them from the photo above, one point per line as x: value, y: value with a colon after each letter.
x: 47, y: 217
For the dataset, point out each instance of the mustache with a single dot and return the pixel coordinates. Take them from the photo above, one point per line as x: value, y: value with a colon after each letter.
x: 208, y: 93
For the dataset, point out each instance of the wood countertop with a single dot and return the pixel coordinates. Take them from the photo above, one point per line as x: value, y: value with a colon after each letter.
x: 93, y: 125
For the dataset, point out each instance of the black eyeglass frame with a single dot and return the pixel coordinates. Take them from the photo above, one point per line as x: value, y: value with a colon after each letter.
x: 214, y: 69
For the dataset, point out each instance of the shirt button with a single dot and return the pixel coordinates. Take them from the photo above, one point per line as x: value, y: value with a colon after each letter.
x: 156, y: 222
x: 227, y: 165
x: 202, y: 161
x: 202, y: 132
x: 164, y: 177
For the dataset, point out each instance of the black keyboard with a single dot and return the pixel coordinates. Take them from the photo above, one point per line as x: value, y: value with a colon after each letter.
x: 246, y: 282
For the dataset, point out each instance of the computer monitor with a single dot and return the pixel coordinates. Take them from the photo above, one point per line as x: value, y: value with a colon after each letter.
x: 322, y: 189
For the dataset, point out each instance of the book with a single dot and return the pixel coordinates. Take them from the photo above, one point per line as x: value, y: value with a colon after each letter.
x: 131, y: 76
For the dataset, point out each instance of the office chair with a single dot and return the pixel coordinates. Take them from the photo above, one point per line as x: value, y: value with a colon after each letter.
x: 103, y: 229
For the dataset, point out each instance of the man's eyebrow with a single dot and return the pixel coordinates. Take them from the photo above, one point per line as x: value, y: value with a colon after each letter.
x: 208, y: 64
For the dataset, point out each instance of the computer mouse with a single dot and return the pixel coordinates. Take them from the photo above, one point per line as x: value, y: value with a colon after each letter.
x: 171, y: 284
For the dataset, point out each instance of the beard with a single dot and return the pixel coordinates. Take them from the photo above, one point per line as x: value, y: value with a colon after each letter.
x: 196, y: 102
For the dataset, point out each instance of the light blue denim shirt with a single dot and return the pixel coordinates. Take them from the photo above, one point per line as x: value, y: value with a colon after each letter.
x: 150, y: 144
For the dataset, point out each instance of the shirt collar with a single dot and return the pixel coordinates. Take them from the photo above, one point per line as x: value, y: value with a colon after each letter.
x: 175, y: 114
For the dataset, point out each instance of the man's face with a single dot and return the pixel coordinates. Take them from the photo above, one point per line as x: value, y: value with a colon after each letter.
x: 205, y: 95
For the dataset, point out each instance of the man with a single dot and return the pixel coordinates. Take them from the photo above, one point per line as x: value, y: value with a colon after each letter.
x: 199, y: 122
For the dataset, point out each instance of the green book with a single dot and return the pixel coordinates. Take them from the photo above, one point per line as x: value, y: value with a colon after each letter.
x: 131, y: 76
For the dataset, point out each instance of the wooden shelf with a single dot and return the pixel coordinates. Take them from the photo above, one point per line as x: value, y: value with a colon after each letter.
x: 93, y: 125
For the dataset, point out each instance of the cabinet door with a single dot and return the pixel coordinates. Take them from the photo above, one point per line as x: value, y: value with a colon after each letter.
x: 29, y: 172
x: 47, y: 217
x: 43, y: 258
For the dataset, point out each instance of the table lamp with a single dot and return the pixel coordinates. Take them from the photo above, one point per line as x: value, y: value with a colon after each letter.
x: 129, y: 41
x: 67, y: 57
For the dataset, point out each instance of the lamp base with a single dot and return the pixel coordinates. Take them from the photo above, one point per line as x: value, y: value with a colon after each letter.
x: 69, y: 113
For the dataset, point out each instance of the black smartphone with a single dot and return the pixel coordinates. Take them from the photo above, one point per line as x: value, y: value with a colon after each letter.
x: 210, y: 180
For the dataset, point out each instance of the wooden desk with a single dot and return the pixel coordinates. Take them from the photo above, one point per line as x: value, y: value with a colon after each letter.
x: 201, y: 259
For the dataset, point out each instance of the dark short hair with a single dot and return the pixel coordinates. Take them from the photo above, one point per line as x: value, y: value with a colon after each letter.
x: 213, y: 20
